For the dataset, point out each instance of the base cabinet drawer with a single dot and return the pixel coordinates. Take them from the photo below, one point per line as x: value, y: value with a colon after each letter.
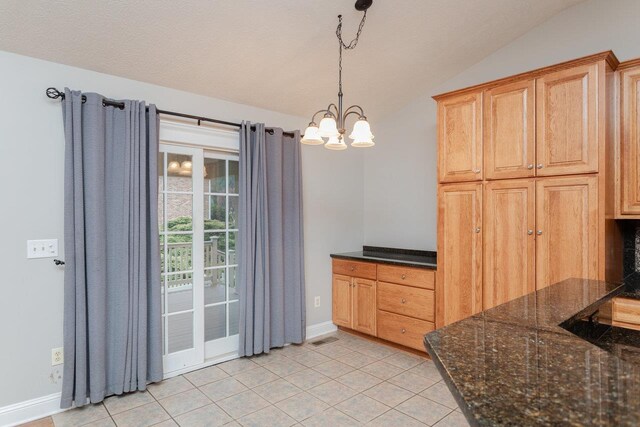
x: 366, y: 270
x: 626, y: 313
x: 406, y: 300
x: 403, y: 330
x: 419, y: 277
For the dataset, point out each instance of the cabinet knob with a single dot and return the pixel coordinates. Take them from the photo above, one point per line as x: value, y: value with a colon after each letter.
x: 539, y: 166
x: 477, y: 229
x: 404, y: 276
x: 403, y: 330
x: 476, y: 171
x: 529, y: 232
x: 404, y: 300
x: 353, y: 268
x: 539, y: 232
x: 530, y: 166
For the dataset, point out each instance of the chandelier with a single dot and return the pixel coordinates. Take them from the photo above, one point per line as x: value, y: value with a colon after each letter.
x: 331, y: 130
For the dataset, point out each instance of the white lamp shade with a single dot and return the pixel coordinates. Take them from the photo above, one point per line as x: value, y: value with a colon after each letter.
x: 335, y: 143
x: 328, y: 128
x: 312, y: 136
x: 361, y: 134
x: 173, y: 166
x: 186, y: 165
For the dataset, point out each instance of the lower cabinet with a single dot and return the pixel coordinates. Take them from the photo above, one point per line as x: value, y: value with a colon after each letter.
x: 394, y: 303
x: 625, y: 313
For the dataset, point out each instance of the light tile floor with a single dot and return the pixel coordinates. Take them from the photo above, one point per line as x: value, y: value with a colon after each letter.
x: 348, y: 382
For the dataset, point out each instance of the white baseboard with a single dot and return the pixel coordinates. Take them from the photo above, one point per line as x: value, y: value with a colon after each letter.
x: 45, y: 406
x: 30, y: 410
x: 319, y: 329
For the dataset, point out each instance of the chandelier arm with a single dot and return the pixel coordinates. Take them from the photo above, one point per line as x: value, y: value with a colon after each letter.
x: 337, y: 113
x: 347, y: 114
x: 348, y: 110
x: 313, y: 118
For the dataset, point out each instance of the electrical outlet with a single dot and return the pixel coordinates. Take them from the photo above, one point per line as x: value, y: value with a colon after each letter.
x: 316, y: 302
x: 57, y: 356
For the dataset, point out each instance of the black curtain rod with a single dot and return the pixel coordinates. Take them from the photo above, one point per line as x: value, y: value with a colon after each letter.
x: 54, y: 93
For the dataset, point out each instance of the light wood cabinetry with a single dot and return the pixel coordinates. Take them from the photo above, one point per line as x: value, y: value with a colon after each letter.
x: 542, y: 208
x: 397, y: 304
x: 567, y: 121
x: 566, y: 229
x: 459, y: 282
x: 629, y: 152
x: 509, y: 241
x: 509, y: 130
x: 460, y: 130
x: 625, y: 313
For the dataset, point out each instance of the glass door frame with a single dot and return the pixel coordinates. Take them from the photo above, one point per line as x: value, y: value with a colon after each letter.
x: 199, y: 142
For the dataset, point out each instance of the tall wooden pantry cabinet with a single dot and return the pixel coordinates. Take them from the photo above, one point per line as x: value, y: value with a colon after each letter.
x: 524, y: 164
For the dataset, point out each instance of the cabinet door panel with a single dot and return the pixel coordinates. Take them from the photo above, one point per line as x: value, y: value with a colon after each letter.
x: 459, y: 282
x: 566, y: 229
x: 509, y: 242
x: 460, y: 138
x: 509, y: 130
x: 630, y: 143
x: 342, y: 304
x: 364, y: 306
x: 567, y: 122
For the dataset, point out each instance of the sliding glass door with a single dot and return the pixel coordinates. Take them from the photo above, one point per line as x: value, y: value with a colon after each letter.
x: 197, y: 208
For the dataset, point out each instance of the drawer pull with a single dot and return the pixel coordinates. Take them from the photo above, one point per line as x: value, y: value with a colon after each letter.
x: 353, y: 268
x: 404, y: 276
x: 404, y: 301
x: 403, y: 330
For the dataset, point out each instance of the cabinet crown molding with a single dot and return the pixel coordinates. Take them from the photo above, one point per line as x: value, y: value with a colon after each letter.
x: 607, y: 56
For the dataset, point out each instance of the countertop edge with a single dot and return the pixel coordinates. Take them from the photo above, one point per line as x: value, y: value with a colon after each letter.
x: 388, y: 261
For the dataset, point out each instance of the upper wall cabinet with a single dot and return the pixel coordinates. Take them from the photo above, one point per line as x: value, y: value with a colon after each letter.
x: 509, y: 130
x: 630, y: 140
x: 460, y: 136
x: 567, y: 121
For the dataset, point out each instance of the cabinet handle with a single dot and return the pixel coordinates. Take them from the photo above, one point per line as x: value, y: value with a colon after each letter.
x: 477, y: 229
x: 539, y: 232
x: 403, y: 330
x: 539, y: 166
x: 530, y: 166
x: 529, y: 232
x: 404, y: 300
x: 404, y: 276
x: 476, y: 171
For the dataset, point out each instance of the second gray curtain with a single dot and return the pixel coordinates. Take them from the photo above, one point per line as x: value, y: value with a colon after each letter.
x: 112, y: 312
x: 271, y: 257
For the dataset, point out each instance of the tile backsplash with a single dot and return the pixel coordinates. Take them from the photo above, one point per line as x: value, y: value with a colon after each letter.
x: 631, y: 237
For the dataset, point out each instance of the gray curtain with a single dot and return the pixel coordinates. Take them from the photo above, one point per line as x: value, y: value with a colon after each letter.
x: 271, y: 257
x: 112, y: 317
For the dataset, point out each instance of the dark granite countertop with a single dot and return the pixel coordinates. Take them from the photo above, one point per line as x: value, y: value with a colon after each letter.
x: 393, y: 256
x: 515, y: 365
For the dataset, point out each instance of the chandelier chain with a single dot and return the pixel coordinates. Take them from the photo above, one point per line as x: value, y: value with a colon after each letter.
x: 352, y: 44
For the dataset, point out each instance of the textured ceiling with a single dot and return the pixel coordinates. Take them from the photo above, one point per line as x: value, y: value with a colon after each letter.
x: 276, y: 54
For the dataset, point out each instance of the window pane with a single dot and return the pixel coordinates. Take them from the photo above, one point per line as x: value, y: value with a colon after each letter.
x: 233, y: 294
x: 179, y: 212
x: 214, y: 249
x: 233, y: 212
x: 233, y: 318
x: 179, y: 292
x: 179, y: 253
x: 231, y: 257
x: 215, y: 176
x: 161, y: 212
x: 215, y: 322
x: 180, y: 332
x: 214, y: 212
x: 179, y: 167
x: 214, y: 286
x: 233, y: 176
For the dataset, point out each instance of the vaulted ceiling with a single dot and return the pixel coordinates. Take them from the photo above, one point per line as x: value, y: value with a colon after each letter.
x: 276, y: 54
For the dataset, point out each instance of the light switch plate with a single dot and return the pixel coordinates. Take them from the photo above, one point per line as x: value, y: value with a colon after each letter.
x: 42, y: 248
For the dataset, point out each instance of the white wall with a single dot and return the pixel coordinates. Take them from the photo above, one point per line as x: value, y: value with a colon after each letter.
x: 400, y: 173
x: 31, y: 207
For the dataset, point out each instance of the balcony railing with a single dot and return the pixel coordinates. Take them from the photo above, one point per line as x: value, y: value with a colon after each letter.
x: 179, y: 259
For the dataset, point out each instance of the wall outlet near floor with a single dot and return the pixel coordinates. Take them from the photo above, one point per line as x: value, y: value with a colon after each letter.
x: 57, y: 356
x: 316, y: 302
